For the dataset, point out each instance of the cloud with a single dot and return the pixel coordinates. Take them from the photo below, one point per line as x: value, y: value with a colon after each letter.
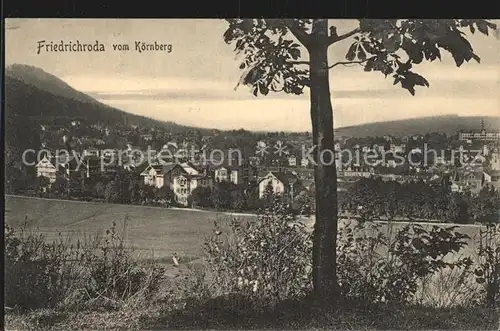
x: 293, y: 115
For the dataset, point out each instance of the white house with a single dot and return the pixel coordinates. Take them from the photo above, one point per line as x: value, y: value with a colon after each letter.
x: 304, y: 163
x: 91, y: 152
x: 495, y: 161
x: 398, y: 148
x: 283, y: 184
x: 486, y: 150
x: 227, y: 174
x: 292, y: 161
x: 45, y: 168
x: 487, y: 177
x: 183, y: 186
x: 159, y: 175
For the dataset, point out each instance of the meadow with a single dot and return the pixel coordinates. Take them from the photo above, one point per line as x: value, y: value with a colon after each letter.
x: 156, y: 232
x: 153, y: 232
x: 149, y: 230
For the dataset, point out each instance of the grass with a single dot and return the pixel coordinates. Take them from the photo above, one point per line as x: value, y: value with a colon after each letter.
x: 150, y: 231
x: 295, y: 316
x: 182, y: 231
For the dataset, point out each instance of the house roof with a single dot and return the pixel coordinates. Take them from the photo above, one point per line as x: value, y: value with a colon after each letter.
x: 474, y: 175
x: 285, y: 178
x: 189, y: 168
x: 194, y: 176
x: 228, y: 164
x: 162, y: 169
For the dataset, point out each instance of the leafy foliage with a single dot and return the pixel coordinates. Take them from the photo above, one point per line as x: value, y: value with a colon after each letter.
x: 96, y: 272
x: 374, y: 199
x: 267, y: 259
x: 268, y: 55
x: 392, y: 47
x: 272, y: 57
x: 202, y: 196
x: 386, y: 267
x: 487, y: 271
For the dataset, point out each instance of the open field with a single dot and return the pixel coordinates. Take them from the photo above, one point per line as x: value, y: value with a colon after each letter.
x: 150, y: 230
x: 161, y: 231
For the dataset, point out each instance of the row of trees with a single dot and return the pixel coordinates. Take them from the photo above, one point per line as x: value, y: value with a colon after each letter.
x: 122, y: 188
x: 227, y: 196
x: 372, y: 198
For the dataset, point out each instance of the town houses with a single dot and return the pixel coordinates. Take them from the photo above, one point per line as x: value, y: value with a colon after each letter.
x: 189, y: 162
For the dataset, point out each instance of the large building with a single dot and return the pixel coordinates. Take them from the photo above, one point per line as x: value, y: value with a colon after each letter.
x: 480, y: 135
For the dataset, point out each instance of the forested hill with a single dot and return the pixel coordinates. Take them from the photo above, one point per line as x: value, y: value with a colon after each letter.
x: 444, y: 124
x: 25, y: 100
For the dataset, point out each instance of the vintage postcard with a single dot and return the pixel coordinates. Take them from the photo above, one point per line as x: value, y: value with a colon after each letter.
x: 252, y: 173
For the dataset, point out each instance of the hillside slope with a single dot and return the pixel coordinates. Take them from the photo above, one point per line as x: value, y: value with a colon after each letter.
x: 445, y: 124
x: 28, y: 102
x: 46, y: 81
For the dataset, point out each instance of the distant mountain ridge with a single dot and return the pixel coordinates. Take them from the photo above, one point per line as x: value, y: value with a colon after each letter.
x: 46, y: 81
x: 32, y: 92
x: 446, y: 124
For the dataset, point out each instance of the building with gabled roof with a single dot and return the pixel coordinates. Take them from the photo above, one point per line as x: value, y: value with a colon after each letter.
x: 161, y: 174
x: 184, y: 184
x: 282, y: 183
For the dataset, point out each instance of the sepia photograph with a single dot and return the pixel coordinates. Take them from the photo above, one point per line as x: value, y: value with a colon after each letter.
x: 167, y: 174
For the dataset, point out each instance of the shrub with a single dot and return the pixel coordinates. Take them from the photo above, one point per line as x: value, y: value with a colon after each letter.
x: 109, y: 273
x: 450, y: 288
x: 266, y: 260
x: 487, y: 270
x: 96, y: 272
x: 36, y: 273
x: 376, y: 267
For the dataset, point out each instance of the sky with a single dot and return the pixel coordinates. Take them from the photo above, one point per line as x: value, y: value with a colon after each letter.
x: 194, y: 83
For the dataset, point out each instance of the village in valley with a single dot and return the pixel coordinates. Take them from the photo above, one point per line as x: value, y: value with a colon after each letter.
x: 248, y: 173
x: 237, y: 170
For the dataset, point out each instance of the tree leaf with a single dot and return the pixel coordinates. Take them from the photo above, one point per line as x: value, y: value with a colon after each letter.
x: 369, y: 64
x: 392, y: 43
x: 263, y: 89
x: 295, y: 53
x: 482, y: 26
x: 492, y: 26
x: 255, y: 90
x: 351, y: 53
x: 419, y: 80
x: 361, y: 54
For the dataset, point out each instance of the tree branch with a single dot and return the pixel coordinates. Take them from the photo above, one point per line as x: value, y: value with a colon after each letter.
x: 345, y: 63
x: 298, y: 62
x: 336, y: 38
x: 297, y: 31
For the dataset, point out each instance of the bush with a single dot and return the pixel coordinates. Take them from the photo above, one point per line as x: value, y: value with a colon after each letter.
x: 36, y: 273
x: 450, y: 288
x: 110, y: 274
x: 487, y: 272
x: 267, y: 260
x: 376, y: 267
x: 96, y: 272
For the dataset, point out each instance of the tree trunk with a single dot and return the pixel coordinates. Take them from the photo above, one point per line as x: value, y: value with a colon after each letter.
x: 325, y: 176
